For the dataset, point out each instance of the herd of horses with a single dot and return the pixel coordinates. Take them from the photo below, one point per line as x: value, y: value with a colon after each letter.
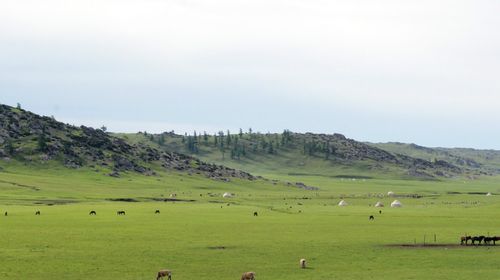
x: 485, y: 239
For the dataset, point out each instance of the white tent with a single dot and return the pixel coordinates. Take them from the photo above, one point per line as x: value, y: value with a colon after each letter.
x: 379, y: 204
x: 390, y: 193
x: 489, y: 194
x: 343, y: 203
x: 226, y: 194
x: 396, y: 203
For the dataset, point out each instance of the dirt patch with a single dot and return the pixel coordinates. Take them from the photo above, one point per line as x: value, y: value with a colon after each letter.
x: 123, y: 199
x: 217, y: 248
x: 54, y: 202
x: 433, y: 246
x: 170, y: 199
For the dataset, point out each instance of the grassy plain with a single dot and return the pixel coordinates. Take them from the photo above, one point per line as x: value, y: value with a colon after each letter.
x: 207, y: 239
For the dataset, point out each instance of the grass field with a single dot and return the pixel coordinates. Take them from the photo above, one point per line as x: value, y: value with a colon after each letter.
x: 207, y: 239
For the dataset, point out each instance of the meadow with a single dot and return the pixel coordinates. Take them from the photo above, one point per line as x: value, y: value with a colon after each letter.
x: 220, y: 238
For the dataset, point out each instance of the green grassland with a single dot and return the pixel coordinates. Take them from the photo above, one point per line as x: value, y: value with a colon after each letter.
x: 207, y: 239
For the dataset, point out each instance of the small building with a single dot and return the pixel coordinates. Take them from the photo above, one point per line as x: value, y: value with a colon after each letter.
x: 396, y: 203
x: 227, y: 195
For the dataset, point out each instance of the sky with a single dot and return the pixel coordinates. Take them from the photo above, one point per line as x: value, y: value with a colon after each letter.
x: 415, y: 71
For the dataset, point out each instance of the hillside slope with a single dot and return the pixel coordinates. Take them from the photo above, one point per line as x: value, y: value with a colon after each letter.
x: 32, y: 139
x: 304, y: 154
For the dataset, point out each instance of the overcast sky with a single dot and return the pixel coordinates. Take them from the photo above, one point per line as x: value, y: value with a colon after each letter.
x: 417, y: 71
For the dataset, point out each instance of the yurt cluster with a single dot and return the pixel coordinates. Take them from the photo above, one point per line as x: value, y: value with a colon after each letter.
x: 395, y: 204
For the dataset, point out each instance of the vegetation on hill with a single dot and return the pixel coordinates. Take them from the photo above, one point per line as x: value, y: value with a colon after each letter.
x: 299, y: 153
x: 30, y: 138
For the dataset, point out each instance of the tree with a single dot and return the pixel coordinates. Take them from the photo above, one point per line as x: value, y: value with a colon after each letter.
x: 103, y: 128
x: 9, y: 147
x: 42, y: 142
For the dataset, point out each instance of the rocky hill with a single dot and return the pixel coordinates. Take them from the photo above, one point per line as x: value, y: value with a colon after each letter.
x: 322, y: 154
x: 30, y: 138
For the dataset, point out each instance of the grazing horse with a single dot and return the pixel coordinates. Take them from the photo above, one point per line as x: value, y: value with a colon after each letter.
x: 371, y: 218
x: 37, y: 213
x: 92, y: 212
x: 164, y: 273
x: 120, y: 212
x: 157, y: 212
x: 380, y: 211
x: 5, y: 213
x: 248, y: 276
x: 478, y: 239
x: 255, y: 214
x: 464, y: 239
x: 488, y: 239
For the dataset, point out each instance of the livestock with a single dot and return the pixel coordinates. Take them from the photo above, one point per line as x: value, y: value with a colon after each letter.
x: 464, y: 239
x: 248, y: 276
x: 157, y: 211
x: 488, y: 239
x: 302, y: 263
x: 92, y: 213
x: 255, y: 214
x: 5, y: 213
x: 120, y: 212
x: 164, y: 273
x: 371, y: 218
x: 478, y: 239
x: 37, y: 213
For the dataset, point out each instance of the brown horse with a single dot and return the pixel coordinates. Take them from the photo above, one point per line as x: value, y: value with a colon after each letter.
x: 248, y: 276
x: 464, y: 239
x: 164, y: 273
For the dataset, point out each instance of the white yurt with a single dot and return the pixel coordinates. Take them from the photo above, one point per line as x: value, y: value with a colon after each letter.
x: 489, y: 194
x: 343, y: 203
x: 390, y: 193
x: 227, y: 194
x: 396, y: 203
x: 379, y: 204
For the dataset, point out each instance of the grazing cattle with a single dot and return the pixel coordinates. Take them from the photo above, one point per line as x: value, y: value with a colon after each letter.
x: 302, y: 263
x: 371, y: 218
x: 164, y: 273
x: 157, y: 211
x: 478, y: 239
x: 92, y: 212
x: 464, y: 239
x: 255, y: 214
x: 120, y: 212
x: 248, y: 276
x: 37, y: 213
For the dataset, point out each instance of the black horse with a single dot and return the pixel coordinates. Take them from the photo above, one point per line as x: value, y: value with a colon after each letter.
x: 5, y: 214
x: 120, y: 212
x: 478, y: 239
x: 157, y: 212
x: 92, y: 212
x: 488, y: 239
x: 371, y: 218
x: 37, y: 213
x: 255, y: 214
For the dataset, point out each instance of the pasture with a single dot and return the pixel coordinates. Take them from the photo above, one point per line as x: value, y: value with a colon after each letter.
x: 207, y: 239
